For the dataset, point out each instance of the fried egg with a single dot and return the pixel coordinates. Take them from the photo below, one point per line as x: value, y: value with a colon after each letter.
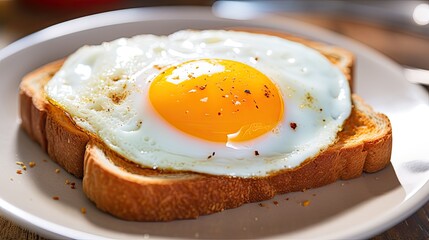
x: 216, y: 102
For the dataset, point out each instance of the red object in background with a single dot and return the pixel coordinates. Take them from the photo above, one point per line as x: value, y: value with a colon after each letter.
x: 66, y: 4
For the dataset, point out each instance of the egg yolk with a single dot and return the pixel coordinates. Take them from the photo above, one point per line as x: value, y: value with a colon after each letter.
x: 217, y: 100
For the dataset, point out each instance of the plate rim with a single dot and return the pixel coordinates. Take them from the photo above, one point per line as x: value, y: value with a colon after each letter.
x: 411, y: 204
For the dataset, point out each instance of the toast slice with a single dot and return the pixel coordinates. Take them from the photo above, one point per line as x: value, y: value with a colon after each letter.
x: 131, y: 192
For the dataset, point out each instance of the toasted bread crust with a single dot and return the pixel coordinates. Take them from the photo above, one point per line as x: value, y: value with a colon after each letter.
x: 49, y: 125
x: 133, y: 193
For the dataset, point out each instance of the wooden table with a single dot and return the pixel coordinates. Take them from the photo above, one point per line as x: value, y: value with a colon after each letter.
x: 20, y: 20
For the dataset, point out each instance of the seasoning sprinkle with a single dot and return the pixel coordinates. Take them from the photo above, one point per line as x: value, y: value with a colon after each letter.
x: 293, y: 125
x: 305, y: 203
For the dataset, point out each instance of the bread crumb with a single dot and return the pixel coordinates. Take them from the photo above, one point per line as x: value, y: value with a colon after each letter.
x: 261, y: 204
x: 56, y: 198
x: 276, y: 203
x: 72, y: 184
x: 57, y: 170
x: 287, y: 199
x: 305, y: 203
x: 83, y: 210
x: 19, y: 171
x: 22, y: 165
x: 32, y: 164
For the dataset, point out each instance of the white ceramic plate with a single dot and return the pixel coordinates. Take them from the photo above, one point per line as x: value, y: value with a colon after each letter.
x: 358, y: 208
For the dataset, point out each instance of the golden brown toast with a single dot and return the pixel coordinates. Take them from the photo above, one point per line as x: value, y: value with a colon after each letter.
x: 132, y: 192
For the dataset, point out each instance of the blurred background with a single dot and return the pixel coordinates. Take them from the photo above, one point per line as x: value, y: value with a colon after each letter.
x: 397, y: 28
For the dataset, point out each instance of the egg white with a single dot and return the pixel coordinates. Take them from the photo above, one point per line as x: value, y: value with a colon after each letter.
x: 105, y: 90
